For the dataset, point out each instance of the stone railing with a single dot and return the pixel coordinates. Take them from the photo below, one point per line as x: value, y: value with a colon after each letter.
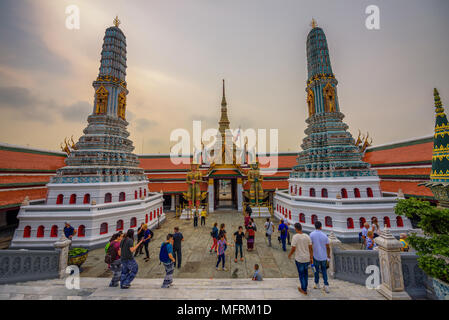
x: 416, y: 282
x: 350, y: 265
x: 29, y: 265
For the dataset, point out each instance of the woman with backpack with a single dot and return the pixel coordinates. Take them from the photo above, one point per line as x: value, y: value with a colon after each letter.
x: 129, y: 265
x: 113, y: 258
x: 214, y: 235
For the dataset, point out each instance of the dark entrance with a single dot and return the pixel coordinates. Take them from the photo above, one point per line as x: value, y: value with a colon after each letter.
x: 225, y: 194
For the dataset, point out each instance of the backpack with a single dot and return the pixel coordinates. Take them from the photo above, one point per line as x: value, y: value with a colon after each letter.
x: 107, y: 247
x: 163, y: 254
x: 111, y: 255
x: 283, y: 231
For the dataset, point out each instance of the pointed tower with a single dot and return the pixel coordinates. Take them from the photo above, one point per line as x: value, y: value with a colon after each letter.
x: 102, y: 190
x: 224, y: 120
x: 439, y: 176
x: 329, y: 149
x: 331, y: 183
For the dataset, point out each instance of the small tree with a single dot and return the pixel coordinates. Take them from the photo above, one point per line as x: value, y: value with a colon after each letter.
x: 433, y: 247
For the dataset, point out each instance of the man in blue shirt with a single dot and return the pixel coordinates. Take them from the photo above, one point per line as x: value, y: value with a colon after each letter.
x: 166, y: 257
x: 69, y: 232
x: 283, y: 228
x: 321, y: 254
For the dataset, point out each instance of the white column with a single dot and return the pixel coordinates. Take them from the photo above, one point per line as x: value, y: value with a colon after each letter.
x: 172, y: 207
x: 239, y: 194
x: 210, y: 189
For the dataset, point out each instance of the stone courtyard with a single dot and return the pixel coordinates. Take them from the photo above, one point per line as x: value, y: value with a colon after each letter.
x: 198, y: 262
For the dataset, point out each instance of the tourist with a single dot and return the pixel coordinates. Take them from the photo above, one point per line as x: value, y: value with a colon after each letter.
x: 375, y: 227
x: 251, y: 235
x: 69, y: 231
x: 140, y: 233
x: 269, y: 229
x: 247, y: 220
x: 129, y: 265
x: 370, y: 240
x: 177, y: 239
x: 214, y: 235
x: 302, y: 248
x: 221, y: 252
x: 248, y: 210
x: 321, y: 254
x: 147, y: 236
x: 283, y: 228
x: 222, y: 232
x: 238, y: 239
x: 256, y: 276
x: 404, y: 243
x: 195, y: 219
x: 364, y: 234
x: 167, y: 259
x: 114, y: 258
x: 288, y: 234
x: 253, y: 224
x: 203, y: 216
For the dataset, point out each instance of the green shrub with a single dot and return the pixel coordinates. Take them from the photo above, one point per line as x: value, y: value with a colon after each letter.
x: 77, y: 251
x: 433, y: 247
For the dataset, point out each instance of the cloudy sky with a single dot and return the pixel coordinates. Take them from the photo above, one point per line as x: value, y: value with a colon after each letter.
x: 179, y: 50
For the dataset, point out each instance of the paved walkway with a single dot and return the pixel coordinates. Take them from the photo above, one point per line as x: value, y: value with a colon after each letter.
x: 197, y: 261
x: 185, y: 289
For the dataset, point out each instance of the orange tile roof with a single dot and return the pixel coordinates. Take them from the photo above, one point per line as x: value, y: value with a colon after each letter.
x: 411, y: 153
x: 24, y: 179
x: 408, y: 188
x: 23, y: 160
x: 17, y: 196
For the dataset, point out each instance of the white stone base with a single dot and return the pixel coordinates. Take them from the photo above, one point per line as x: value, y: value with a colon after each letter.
x: 187, y: 214
x: 260, y: 212
x: 390, y: 295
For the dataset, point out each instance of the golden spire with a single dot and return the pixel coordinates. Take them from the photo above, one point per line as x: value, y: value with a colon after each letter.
x: 223, y: 99
x: 224, y: 120
x: 313, y: 23
x: 116, y: 21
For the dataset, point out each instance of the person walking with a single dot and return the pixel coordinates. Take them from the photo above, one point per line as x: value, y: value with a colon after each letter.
x: 375, y: 228
x: 203, y: 216
x: 214, y: 235
x: 269, y: 229
x: 251, y: 237
x: 302, y: 248
x: 221, y: 252
x: 247, y: 220
x: 321, y: 254
x: 195, y: 219
x: 283, y: 234
x: 222, y: 232
x: 113, y: 258
x: 129, y: 265
x: 140, y: 233
x: 69, y: 231
x: 364, y: 234
x: 167, y: 259
x: 238, y: 239
x: 147, y: 236
x: 177, y: 253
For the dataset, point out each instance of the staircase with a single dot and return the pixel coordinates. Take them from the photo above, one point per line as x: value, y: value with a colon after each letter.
x: 185, y: 289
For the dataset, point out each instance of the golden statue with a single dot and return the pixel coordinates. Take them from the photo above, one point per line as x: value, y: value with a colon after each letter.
x: 311, y: 103
x: 329, y: 98
x: 194, y: 196
x: 73, y: 146
x: 366, y: 144
x: 102, y: 100
x: 121, y: 105
x: 256, y: 193
x: 65, y: 148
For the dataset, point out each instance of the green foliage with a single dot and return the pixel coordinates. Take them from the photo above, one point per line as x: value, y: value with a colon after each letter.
x: 77, y: 251
x: 433, y: 247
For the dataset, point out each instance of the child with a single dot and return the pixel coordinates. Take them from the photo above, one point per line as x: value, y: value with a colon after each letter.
x: 257, y: 276
x: 370, y: 240
x: 221, y: 252
x: 404, y: 243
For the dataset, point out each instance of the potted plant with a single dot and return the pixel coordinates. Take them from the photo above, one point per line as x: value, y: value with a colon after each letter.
x: 432, y: 247
x: 77, y: 256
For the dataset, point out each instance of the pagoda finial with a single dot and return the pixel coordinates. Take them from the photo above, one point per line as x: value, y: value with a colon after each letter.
x: 223, y: 100
x: 116, y: 21
x: 438, y: 104
x: 313, y: 24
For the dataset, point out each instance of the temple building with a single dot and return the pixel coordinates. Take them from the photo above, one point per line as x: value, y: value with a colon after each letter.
x: 331, y: 183
x: 102, y: 189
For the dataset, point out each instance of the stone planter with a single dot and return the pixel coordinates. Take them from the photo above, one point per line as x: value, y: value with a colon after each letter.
x: 78, y: 260
x: 441, y: 289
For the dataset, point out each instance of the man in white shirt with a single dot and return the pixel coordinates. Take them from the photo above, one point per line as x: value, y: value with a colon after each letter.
x: 302, y: 248
x: 269, y: 227
x: 321, y: 254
